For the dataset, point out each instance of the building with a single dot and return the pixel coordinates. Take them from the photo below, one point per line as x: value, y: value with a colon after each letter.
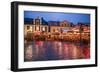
x: 40, y: 25
x: 37, y: 26
x: 59, y: 27
x: 54, y: 29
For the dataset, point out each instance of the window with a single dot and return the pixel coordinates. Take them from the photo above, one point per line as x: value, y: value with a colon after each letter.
x: 43, y: 28
x: 37, y: 28
x: 28, y: 27
x: 37, y: 21
x: 53, y: 30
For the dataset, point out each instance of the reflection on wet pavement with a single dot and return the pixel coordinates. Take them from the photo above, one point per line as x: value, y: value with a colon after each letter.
x: 55, y: 50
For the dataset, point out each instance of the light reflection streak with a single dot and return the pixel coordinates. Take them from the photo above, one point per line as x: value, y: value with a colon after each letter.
x: 55, y: 50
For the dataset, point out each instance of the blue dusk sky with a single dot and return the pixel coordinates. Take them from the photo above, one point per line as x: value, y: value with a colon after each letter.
x: 59, y: 16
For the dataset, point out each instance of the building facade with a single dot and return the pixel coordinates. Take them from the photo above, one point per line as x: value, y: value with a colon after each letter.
x: 39, y: 25
x: 60, y: 27
x: 55, y: 29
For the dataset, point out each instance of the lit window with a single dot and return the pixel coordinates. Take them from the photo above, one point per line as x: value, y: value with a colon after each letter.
x: 43, y: 28
x: 30, y: 28
x: 37, y: 28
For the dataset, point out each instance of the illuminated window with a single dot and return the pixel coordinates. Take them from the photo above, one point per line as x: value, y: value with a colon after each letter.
x: 31, y: 28
x: 37, y: 28
x: 43, y: 28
